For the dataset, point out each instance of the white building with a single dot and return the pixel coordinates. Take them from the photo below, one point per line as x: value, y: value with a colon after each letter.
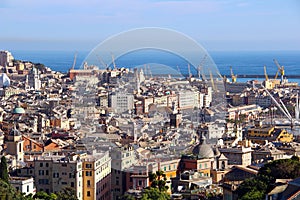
x: 23, y: 184
x: 121, y: 102
x: 4, y: 80
x: 6, y: 58
x: 33, y: 79
x: 188, y: 99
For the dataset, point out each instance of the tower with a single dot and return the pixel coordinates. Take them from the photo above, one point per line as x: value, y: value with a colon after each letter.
x: 15, y: 144
x: 33, y: 79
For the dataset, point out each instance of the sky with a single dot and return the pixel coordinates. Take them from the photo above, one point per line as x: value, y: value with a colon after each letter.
x: 215, y: 24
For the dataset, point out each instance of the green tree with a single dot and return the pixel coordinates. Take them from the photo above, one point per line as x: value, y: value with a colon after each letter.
x: 3, y: 169
x: 9, y: 192
x: 154, y: 194
x: 158, y: 180
x: 255, y: 188
x: 158, y: 188
x: 43, y: 195
x: 68, y: 193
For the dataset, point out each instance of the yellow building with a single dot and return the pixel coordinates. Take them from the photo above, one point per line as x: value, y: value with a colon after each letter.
x: 96, y: 171
x: 260, y: 134
x: 169, y: 167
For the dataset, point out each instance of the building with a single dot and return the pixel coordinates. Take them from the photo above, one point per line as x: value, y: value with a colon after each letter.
x: 33, y: 79
x: 259, y: 134
x: 122, y: 158
x: 121, y: 102
x: 237, y: 155
x: 15, y: 144
x: 6, y: 58
x: 89, y: 175
x: 4, y: 80
x: 23, y: 184
x: 96, y: 175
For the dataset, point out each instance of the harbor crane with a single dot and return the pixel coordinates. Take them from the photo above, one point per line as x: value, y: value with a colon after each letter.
x: 113, y: 60
x: 189, y: 70
x: 265, y: 72
x: 102, y: 62
x: 280, y: 70
x: 200, y: 66
x: 74, y: 61
x: 212, y: 81
x: 281, y: 106
x: 233, y: 77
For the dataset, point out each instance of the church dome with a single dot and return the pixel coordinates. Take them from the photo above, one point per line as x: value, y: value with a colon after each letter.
x: 203, y: 150
x: 18, y: 110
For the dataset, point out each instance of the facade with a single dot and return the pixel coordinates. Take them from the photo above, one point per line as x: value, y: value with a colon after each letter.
x: 33, y: 79
x: 15, y: 144
x: 121, y: 102
x: 122, y: 158
x: 259, y: 134
x: 237, y: 155
x: 96, y: 173
x: 6, y: 58
x: 88, y: 175
x: 23, y: 184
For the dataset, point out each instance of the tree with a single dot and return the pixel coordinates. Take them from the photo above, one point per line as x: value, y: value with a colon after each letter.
x: 43, y: 195
x: 154, y: 194
x: 68, y: 193
x: 3, y: 169
x: 158, y: 188
x: 255, y: 188
x: 158, y: 180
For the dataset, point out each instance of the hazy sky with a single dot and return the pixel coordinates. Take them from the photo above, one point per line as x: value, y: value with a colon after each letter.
x: 216, y: 24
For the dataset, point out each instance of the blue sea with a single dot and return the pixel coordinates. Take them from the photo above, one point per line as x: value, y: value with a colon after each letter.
x: 242, y: 62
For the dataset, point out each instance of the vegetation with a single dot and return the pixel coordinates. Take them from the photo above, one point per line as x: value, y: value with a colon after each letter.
x: 264, y: 182
x: 3, y: 169
x: 158, y: 188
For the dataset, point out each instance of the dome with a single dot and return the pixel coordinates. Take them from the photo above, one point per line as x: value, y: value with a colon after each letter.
x: 18, y: 110
x: 203, y: 150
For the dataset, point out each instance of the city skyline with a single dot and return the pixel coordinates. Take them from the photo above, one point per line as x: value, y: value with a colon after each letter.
x: 217, y: 25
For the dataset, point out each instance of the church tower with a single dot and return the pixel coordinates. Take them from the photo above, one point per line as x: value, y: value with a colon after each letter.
x: 15, y: 144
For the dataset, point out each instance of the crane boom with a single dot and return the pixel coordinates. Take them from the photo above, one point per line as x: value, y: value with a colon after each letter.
x: 265, y: 72
x: 113, y: 60
x: 280, y: 69
x: 74, y: 61
x: 233, y: 77
x: 102, y: 62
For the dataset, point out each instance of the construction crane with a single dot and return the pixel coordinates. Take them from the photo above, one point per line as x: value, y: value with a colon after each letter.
x: 233, y: 77
x: 281, y: 106
x: 74, y: 61
x: 280, y: 70
x: 200, y: 66
x: 149, y: 70
x: 212, y: 81
x: 265, y: 72
x: 102, y: 62
x: 113, y: 60
x: 189, y: 70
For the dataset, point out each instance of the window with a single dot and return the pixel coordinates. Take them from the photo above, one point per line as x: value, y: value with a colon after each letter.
x: 72, y: 184
x: 88, y: 193
x: 41, y: 164
x: 47, y: 172
x: 27, y: 188
x: 47, y: 164
x: 20, y: 147
x: 88, y: 173
x: 88, y: 183
x: 88, y: 165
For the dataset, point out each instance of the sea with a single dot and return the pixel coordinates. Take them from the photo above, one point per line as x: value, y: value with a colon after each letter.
x: 242, y: 62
